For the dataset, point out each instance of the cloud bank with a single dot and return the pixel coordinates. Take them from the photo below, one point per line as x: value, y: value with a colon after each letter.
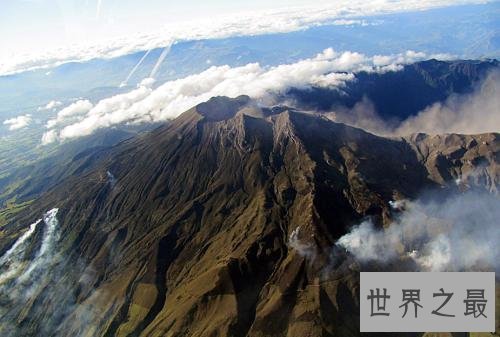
x: 74, y: 109
x: 253, y: 23
x: 19, y: 122
x: 145, y: 104
x: 446, y: 234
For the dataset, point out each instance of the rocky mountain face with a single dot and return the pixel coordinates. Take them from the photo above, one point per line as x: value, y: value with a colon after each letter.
x: 393, y: 94
x: 221, y: 223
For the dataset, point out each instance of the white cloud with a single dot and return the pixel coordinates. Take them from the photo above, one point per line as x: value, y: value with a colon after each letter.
x: 77, y: 108
x: 252, y: 23
x: 51, y: 105
x: 18, y: 122
x: 145, y: 104
x: 381, y: 60
x: 147, y: 82
x: 49, y: 137
x: 347, y: 22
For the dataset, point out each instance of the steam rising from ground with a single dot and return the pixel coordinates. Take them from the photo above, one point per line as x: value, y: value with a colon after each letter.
x: 14, y: 264
x: 42, y: 290
x: 454, y: 233
x: 304, y: 249
x: 111, y: 178
x: 24, y: 277
x: 44, y: 256
x: 11, y: 262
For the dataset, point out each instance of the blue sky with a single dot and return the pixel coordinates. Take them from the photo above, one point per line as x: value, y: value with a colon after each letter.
x: 88, y: 48
x: 33, y: 24
x: 44, y: 33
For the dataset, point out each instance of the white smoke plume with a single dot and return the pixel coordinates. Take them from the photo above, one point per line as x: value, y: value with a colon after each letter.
x: 14, y: 263
x: 304, y: 249
x: 111, y: 178
x: 30, y: 278
x: 478, y: 112
x: 42, y: 291
x: 472, y: 113
x: 11, y: 262
x: 143, y: 104
x: 362, y: 115
x: 46, y: 252
x: 453, y: 233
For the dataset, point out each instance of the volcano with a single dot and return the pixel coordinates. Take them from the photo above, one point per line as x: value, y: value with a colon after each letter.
x: 223, y: 223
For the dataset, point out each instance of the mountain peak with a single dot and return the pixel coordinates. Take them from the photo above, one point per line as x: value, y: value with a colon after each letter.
x: 206, y: 217
x: 222, y: 107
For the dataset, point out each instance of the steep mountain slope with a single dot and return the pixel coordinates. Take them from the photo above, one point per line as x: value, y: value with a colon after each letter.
x: 26, y: 180
x: 221, y: 223
x: 393, y: 93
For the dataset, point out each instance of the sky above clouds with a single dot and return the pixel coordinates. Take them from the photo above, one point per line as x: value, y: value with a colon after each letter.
x: 41, y: 24
x: 44, y: 33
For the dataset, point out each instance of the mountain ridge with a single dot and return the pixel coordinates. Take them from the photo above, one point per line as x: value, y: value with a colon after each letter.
x: 393, y: 93
x: 222, y: 222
